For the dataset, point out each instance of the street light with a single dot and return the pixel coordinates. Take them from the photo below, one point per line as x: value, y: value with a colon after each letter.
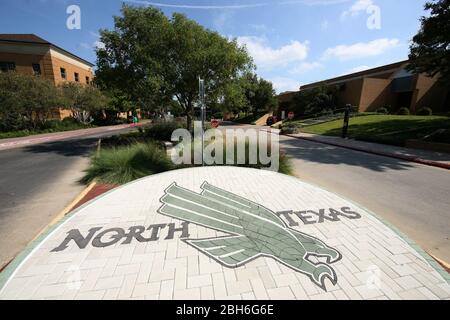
x: 201, y: 90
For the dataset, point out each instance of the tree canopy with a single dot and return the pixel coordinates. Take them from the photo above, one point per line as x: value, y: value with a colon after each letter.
x: 315, y: 101
x: 26, y: 101
x: 82, y: 100
x: 155, y: 59
x: 430, y: 50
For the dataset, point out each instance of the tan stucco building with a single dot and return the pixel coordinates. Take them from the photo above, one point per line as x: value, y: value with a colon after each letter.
x: 391, y: 85
x: 32, y: 55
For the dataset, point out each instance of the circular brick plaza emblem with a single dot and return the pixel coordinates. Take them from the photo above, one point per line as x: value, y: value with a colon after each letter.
x: 222, y: 233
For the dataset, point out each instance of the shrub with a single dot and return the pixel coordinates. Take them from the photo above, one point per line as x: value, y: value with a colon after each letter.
x: 383, y: 110
x: 326, y: 112
x: 127, y: 163
x: 285, y: 164
x: 163, y: 131
x: 289, y: 129
x: 404, y: 111
x: 83, y: 101
x: 425, y: 112
x: 26, y: 102
x: 125, y: 139
x: 218, y: 115
x: 69, y: 120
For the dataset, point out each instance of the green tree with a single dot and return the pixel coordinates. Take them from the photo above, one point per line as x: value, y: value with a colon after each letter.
x: 430, y: 50
x: 82, y: 100
x: 316, y: 100
x: 265, y: 96
x: 233, y: 99
x: 154, y: 58
x: 259, y: 93
x: 118, y: 102
x: 26, y: 101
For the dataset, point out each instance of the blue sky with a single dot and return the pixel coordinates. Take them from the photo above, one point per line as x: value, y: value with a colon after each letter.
x: 292, y: 42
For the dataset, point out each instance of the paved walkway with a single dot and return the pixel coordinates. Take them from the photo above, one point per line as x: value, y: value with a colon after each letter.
x: 415, y: 155
x: 57, y: 136
x: 223, y: 233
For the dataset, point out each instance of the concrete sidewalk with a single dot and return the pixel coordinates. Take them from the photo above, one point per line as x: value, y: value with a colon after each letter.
x: 56, y: 136
x: 430, y: 158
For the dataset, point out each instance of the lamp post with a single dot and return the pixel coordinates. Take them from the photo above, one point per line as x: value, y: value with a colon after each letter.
x: 201, y: 90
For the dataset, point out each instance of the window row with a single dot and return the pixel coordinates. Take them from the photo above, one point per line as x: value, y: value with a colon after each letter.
x: 76, y: 76
x: 11, y: 66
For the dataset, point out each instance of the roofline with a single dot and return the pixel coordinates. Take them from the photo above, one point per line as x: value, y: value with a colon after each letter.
x: 350, y: 76
x: 73, y: 55
x: 54, y: 46
x: 285, y: 93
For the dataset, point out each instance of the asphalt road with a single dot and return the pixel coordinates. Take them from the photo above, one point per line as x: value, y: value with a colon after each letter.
x: 36, y: 183
x: 413, y: 197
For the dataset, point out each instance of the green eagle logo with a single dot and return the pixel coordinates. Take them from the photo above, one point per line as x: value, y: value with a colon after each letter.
x: 255, y: 231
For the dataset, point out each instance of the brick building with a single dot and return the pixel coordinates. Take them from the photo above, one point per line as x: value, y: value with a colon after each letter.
x: 390, y: 85
x: 31, y: 55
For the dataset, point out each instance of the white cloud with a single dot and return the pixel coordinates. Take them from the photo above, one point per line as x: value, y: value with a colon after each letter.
x: 235, y: 6
x: 267, y: 57
x: 361, y: 49
x: 282, y: 84
x: 305, y: 67
x: 358, y: 69
x: 99, y: 45
x: 358, y: 7
x: 222, y: 18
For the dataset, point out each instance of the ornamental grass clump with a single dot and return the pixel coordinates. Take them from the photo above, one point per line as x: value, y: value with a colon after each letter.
x: 119, y: 165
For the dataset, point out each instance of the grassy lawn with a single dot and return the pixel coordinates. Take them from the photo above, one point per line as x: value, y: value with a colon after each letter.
x: 323, y: 119
x: 387, y: 129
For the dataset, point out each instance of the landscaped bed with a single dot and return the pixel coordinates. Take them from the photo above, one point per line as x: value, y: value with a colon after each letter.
x: 387, y: 129
x: 131, y: 156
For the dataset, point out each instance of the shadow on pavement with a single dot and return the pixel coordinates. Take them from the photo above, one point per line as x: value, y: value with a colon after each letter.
x: 68, y: 148
x: 322, y: 153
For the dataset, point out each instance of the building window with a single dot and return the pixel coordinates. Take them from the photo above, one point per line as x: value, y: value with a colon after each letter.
x: 7, y: 66
x: 87, y: 80
x: 36, y: 69
x: 63, y: 73
x: 77, y: 77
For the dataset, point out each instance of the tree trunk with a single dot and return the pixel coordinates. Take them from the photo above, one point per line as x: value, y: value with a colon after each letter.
x: 188, y: 121
x: 189, y: 111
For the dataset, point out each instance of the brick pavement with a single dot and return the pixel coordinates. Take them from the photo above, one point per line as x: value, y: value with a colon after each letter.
x: 156, y: 263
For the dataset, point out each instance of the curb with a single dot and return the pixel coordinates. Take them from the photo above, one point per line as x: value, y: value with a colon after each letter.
x: 67, y: 209
x: 444, y: 264
x: 61, y: 215
x: 379, y: 153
